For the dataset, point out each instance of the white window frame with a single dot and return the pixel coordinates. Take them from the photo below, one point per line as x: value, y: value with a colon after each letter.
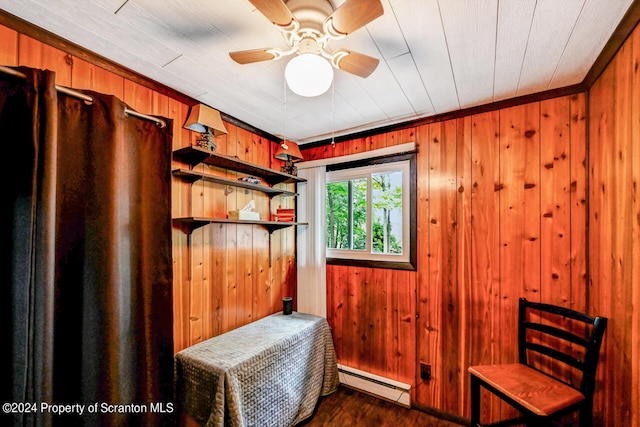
x: 367, y: 172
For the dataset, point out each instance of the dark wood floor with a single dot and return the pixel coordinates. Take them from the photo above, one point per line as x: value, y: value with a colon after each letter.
x: 347, y: 407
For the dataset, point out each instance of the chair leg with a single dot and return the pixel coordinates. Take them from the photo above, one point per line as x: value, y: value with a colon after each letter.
x: 475, y: 402
x: 586, y: 416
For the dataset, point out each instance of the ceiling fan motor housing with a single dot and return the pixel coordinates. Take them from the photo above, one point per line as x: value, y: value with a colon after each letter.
x: 310, y: 13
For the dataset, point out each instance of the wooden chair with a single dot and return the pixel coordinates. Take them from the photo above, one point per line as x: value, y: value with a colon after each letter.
x: 558, y: 356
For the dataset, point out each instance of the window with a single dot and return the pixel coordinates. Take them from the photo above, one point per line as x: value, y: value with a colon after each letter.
x: 370, y: 211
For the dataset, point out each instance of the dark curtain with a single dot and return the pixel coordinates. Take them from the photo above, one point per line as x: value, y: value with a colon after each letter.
x: 86, y: 286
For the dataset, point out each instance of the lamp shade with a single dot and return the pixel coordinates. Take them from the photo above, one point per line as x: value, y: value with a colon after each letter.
x: 204, y: 119
x: 309, y: 75
x: 289, y: 150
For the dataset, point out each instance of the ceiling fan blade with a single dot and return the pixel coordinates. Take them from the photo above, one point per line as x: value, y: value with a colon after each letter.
x: 356, y: 63
x: 253, y: 55
x: 354, y: 14
x: 275, y: 11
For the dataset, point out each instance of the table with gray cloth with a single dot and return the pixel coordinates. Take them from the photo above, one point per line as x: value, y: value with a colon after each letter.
x: 270, y: 372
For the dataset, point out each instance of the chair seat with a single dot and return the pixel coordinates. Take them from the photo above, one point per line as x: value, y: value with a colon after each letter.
x: 539, y: 393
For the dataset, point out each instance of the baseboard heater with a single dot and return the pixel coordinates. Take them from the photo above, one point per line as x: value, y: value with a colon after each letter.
x: 385, y: 388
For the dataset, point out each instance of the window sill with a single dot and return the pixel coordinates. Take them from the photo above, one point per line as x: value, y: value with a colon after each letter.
x: 389, y: 265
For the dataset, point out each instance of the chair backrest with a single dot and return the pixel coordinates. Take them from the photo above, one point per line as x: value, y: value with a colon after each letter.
x: 549, y: 334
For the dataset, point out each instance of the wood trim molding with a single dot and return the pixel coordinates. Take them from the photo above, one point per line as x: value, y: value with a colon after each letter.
x: 525, y: 99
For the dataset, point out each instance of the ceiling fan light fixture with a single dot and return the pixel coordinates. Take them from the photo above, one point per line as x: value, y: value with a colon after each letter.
x: 309, y: 75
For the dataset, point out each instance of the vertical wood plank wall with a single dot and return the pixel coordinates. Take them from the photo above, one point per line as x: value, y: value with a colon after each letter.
x: 530, y: 200
x: 227, y: 275
x: 501, y: 215
x: 614, y: 230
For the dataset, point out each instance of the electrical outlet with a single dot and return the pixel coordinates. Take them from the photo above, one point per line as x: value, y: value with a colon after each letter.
x: 425, y: 371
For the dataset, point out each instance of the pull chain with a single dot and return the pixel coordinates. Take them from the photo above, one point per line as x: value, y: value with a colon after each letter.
x: 333, y: 114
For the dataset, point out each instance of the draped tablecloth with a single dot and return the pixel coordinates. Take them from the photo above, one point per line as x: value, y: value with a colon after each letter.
x: 270, y: 372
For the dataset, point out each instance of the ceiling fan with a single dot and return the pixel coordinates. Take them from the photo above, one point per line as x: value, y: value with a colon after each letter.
x: 308, y: 26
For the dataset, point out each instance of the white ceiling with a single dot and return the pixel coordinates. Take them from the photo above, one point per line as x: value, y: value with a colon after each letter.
x: 436, y: 56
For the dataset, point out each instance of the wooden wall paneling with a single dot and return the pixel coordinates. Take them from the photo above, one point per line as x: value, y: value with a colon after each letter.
x: 336, y: 150
x: 261, y: 292
x: 394, y: 138
x: 600, y: 164
x: 620, y: 202
x: 485, y: 247
x: 212, y: 200
x: 217, y: 279
x: 262, y: 300
x: 181, y: 290
x: 529, y: 236
x: 450, y: 329
x: 555, y: 187
x: 341, y: 276
x: 181, y: 204
x: 232, y: 274
x: 340, y: 310
x: 289, y: 285
x: 423, y: 345
x: 377, y: 141
x: 555, y: 192
x: 332, y: 309
x: 244, y: 277
x: 276, y: 272
x: 138, y: 97
x: 363, y: 333
x: 244, y: 315
x: 309, y: 154
x: 88, y: 76
x: 358, y: 315
x: 390, y: 341
x: 435, y: 274
x: 634, y: 235
x: 352, y: 320
x: 196, y: 285
x: 380, y: 348
x: 612, y: 219
x: 159, y: 104
x: 405, y: 318
x: 578, y: 202
x: 8, y: 46
x: 463, y: 255
x: 433, y: 292
x: 355, y: 146
x: 609, y: 231
x: 514, y: 124
x: 207, y: 293
x: 33, y: 53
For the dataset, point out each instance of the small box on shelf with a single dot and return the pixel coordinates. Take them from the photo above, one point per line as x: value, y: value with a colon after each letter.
x: 242, y: 215
x: 285, y: 215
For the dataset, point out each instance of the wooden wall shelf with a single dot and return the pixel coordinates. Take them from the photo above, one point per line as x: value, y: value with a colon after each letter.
x: 188, y: 224
x: 196, y: 155
x: 191, y: 176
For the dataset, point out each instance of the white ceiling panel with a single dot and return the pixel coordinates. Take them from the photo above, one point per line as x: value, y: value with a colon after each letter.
x: 436, y: 56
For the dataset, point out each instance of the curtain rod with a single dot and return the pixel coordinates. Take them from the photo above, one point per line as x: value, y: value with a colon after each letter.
x: 87, y: 98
